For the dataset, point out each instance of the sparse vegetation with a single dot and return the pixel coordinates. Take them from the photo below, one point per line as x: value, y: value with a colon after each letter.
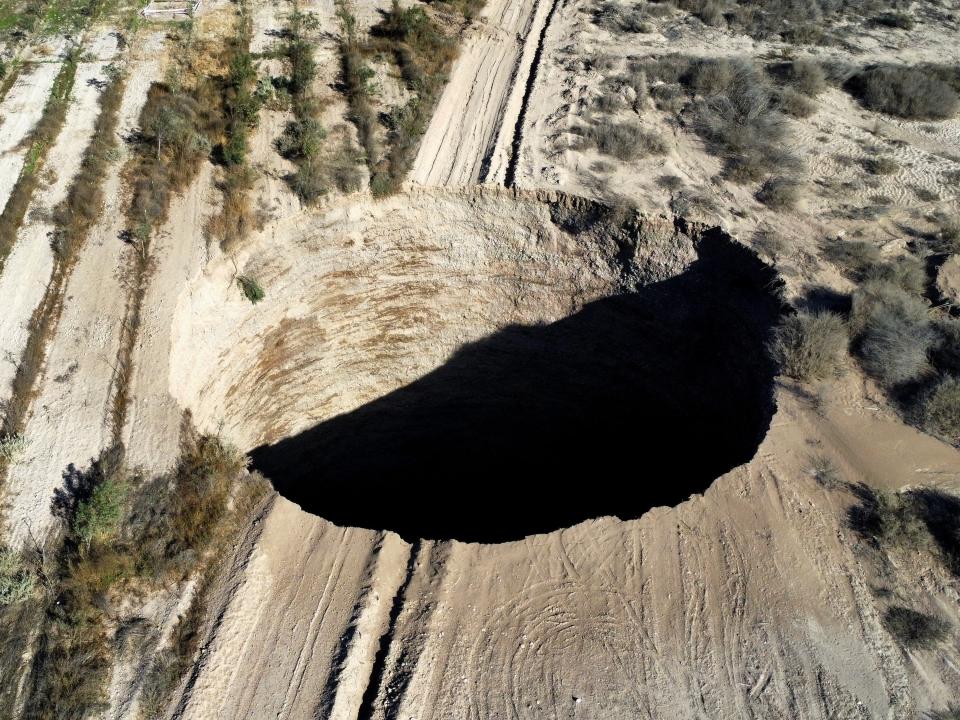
x: 915, y: 630
x: 810, y: 346
x: 17, y: 578
x: 779, y: 193
x: 914, y: 93
x: 624, y: 141
x: 825, y: 472
x: 881, y: 165
x: 251, y: 289
x: 43, y: 136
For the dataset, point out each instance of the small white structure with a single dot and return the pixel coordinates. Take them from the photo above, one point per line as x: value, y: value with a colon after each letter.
x: 171, y: 9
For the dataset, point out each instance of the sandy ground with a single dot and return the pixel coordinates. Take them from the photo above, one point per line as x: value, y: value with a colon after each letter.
x: 70, y: 422
x: 746, y: 602
x: 19, y: 112
x: 832, y: 143
x: 470, y: 136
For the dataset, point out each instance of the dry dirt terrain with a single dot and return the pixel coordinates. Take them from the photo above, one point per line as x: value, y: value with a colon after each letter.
x: 420, y: 361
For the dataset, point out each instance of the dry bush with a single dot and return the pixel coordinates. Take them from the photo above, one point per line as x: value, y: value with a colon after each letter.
x: 810, y: 346
x: 914, y: 93
x: 915, y: 629
x: 893, y: 333
x: 881, y: 165
x: 946, y: 355
x: 939, y: 409
x: 780, y: 193
x: 743, y: 126
x: 853, y: 257
x: 807, y: 77
x: 890, y: 520
x: 906, y: 272
x: 796, y: 104
x: 899, y: 20
x: 614, y: 17
x: 624, y: 140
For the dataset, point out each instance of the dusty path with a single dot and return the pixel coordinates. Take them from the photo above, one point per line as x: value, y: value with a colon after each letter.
x: 70, y: 420
x: 471, y: 136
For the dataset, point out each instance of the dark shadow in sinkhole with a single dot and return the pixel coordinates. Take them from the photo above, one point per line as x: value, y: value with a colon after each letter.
x: 636, y: 401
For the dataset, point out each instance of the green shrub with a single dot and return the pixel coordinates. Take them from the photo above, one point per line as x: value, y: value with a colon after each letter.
x: 893, y: 331
x: 251, y: 289
x: 301, y: 139
x: 810, y: 346
x: 96, y: 519
x: 12, y: 446
x: 914, y: 93
x: 915, y: 629
x: 940, y: 409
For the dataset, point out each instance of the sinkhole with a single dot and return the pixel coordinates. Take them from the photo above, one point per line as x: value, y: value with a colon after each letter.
x: 641, y: 394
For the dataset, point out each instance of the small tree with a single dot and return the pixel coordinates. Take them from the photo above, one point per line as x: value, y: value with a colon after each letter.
x: 251, y: 289
x: 96, y: 518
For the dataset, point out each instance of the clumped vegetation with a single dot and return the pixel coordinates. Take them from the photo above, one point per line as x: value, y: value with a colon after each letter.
x: 939, y: 409
x: 810, y: 346
x: 124, y: 536
x: 618, y: 18
x: 421, y: 44
x: 881, y: 165
x: 911, y: 92
x: 242, y: 100
x: 779, y: 193
x: 915, y: 629
x: 893, y: 335
x: 624, y: 140
x: 17, y: 579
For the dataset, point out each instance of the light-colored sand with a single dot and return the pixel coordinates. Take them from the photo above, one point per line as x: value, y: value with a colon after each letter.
x: 71, y: 421
x: 747, y: 602
x: 19, y: 112
x: 471, y: 133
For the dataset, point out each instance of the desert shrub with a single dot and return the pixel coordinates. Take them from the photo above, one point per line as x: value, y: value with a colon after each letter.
x: 615, y: 17
x: 625, y: 140
x: 742, y: 126
x: 712, y: 76
x: 11, y: 446
x: 890, y: 520
x: 947, y: 236
x: 251, y: 289
x: 796, y: 104
x: 780, y: 193
x: 669, y: 98
x: 893, y: 332
x: 853, y: 257
x: 915, y: 629
x: 670, y: 183
x: 670, y: 68
x: 807, y: 77
x: 825, y: 472
x: 898, y: 20
x: 691, y: 202
x: 301, y: 139
x: 905, y: 272
x: 881, y: 165
x: 17, y: 579
x: 97, y: 517
x: 810, y: 346
x: 914, y: 93
x: 946, y: 354
x: 940, y: 409
x: 770, y: 243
